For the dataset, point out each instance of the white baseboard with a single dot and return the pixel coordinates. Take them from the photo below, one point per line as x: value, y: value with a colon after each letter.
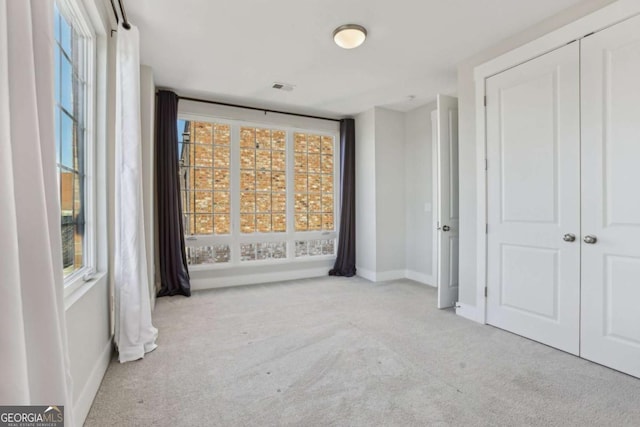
x: 469, y: 312
x: 84, y: 400
x: 256, y: 279
x: 384, y: 276
x: 425, y: 279
x: 366, y: 274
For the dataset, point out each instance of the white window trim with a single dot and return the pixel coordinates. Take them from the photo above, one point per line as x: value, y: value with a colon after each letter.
x: 236, y: 238
x: 77, y: 15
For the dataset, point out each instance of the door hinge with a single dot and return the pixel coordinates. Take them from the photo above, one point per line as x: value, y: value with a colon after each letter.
x: 486, y: 164
x: 485, y: 100
x: 486, y: 229
x: 485, y: 291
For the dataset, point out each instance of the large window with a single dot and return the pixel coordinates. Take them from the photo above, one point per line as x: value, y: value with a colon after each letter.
x: 73, y: 60
x: 256, y: 193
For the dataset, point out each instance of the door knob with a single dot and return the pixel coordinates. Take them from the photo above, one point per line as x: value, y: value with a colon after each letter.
x: 446, y: 228
x: 569, y: 237
x: 590, y: 239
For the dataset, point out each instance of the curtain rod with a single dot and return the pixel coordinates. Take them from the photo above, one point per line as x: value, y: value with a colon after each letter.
x: 266, y: 110
x: 125, y: 23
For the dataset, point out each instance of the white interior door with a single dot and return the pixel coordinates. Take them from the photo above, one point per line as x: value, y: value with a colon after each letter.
x: 446, y: 137
x: 533, y: 188
x: 611, y: 200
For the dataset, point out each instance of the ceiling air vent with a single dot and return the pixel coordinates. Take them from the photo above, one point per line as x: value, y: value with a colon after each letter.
x: 283, y: 86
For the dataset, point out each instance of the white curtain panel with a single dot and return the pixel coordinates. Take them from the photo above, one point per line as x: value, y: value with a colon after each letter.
x: 134, y: 332
x: 34, y: 362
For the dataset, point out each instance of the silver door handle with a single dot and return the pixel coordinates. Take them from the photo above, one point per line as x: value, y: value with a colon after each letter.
x: 589, y: 239
x: 446, y: 228
x: 569, y: 237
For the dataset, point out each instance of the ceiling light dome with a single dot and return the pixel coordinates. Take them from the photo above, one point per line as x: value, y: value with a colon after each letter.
x: 349, y: 36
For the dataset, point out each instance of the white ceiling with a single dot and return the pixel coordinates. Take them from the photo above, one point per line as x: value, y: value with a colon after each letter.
x: 234, y: 50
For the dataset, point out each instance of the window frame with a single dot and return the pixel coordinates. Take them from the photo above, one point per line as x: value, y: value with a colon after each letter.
x: 76, y: 14
x: 236, y: 238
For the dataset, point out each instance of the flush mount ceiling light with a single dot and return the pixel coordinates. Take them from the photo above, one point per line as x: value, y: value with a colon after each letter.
x: 349, y: 36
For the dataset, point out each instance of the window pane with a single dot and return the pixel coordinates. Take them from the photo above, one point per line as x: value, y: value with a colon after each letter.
x: 300, y: 142
x: 315, y: 222
x: 222, y: 202
x: 279, y: 222
x: 247, y: 137
x: 279, y: 182
x: 327, y: 222
x: 313, y: 143
x: 263, y: 138
x: 247, y: 180
x: 247, y: 159
x: 247, y: 202
x: 203, y: 155
x: 279, y: 202
x: 203, y: 201
x: 203, y: 224
x: 221, y: 178
x: 248, y: 252
x: 222, y: 224
x: 70, y: 99
x: 300, y: 183
x: 66, y: 85
x: 315, y: 247
x: 263, y: 251
x: 263, y: 181
x: 203, y: 133
x: 263, y: 159
x: 208, y: 254
x: 278, y: 139
x: 247, y: 223
x: 327, y: 203
x: 278, y: 160
x: 315, y: 203
x: 222, y: 134
x: 327, y: 145
x: 221, y: 157
x: 327, y: 183
x: 65, y: 36
x: 203, y: 179
x: 314, y: 163
x: 263, y: 222
x: 263, y: 202
x: 302, y: 223
x: 313, y: 182
x: 67, y: 139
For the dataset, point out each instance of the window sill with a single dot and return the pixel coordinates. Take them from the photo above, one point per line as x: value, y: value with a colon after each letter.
x: 79, y: 287
x: 260, y: 263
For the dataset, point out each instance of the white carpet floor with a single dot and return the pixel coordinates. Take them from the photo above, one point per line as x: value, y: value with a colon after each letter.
x: 348, y: 352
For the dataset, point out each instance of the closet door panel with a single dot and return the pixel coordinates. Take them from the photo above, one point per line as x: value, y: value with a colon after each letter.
x: 533, y: 183
x: 610, y: 64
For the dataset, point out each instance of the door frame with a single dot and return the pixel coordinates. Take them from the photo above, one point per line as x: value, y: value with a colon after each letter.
x: 596, y: 21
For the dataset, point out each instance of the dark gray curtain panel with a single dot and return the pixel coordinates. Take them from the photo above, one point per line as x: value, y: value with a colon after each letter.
x: 346, y: 259
x: 174, y: 273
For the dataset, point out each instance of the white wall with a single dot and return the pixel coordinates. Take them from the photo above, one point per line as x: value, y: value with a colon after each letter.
x: 419, y: 193
x: 366, y: 194
x: 467, y: 134
x: 390, y: 195
x: 380, y: 195
x: 147, y: 117
x: 87, y: 310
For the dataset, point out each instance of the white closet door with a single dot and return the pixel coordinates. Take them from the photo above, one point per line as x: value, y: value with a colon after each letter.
x: 447, y: 206
x: 611, y: 197
x: 533, y: 182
